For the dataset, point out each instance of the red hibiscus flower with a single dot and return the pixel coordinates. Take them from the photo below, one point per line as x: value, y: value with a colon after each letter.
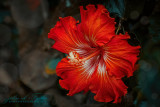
x: 97, y: 57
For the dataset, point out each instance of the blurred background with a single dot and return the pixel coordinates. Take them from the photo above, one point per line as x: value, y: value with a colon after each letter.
x: 27, y: 62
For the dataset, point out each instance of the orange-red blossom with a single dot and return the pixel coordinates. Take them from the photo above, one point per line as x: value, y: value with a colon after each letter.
x: 97, y: 57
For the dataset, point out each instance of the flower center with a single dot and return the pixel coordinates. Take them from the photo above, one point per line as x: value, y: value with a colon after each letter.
x: 75, y: 59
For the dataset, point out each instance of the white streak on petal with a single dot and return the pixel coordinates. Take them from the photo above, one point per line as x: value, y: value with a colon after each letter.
x: 90, y: 65
x: 102, y: 68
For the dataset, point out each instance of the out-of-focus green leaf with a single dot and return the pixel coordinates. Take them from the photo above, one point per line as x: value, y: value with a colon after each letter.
x: 51, y: 66
x: 116, y: 6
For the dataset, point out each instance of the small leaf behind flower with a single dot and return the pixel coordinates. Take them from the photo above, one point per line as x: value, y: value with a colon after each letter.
x: 116, y: 6
x: 51, y: 66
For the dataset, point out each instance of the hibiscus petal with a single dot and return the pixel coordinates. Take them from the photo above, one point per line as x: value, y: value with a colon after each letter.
x: 96, y: 24
x: 107, y: 88
x: 73, y: 78
x: 66, y: 35
x: 76, y: 72
x: 120, y: 56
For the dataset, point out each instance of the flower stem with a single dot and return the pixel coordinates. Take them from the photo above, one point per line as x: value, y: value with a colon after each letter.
x: 119, y: 26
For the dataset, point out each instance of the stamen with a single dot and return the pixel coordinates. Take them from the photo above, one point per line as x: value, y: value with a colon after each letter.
x: 75, y: 59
